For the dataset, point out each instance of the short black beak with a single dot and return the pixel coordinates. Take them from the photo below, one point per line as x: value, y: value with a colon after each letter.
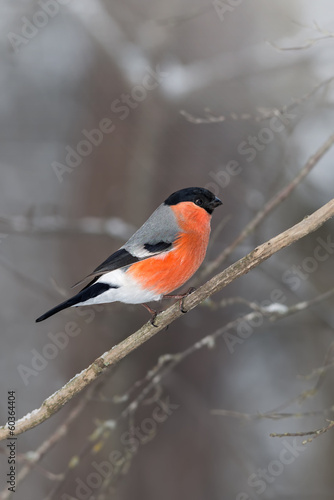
x: 215, y: 203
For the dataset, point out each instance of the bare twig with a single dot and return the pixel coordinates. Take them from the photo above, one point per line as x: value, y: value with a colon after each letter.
x: 271, y: 415
x: 263, y: 113
x: 321, y: 376
x: 276, y: 413
x: 56, y: 224
x: 325, y: 35
x: 110, y: 358
x: 327, y: 365
x: 316, y: 433
x: 309, y: 43
x: 301, y: 306
x: 168, y: 362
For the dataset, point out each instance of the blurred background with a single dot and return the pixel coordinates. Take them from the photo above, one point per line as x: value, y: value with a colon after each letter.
x: 106, y: 109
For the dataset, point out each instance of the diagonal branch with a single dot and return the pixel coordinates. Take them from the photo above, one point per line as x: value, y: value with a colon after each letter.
x: 82, y: 380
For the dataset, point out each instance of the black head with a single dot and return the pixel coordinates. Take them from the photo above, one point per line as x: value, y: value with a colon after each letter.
x: 200, y: 196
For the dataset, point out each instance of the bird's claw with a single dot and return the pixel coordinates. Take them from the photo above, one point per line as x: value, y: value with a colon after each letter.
x: 181, y: 303
x: 153, y: 313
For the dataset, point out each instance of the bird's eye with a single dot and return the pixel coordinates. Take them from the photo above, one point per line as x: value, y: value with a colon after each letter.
x: 199, y: 202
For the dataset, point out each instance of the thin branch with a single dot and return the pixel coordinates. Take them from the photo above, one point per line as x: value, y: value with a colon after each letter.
x: 272, y: 311
x: 271, y: 415
x: 321, y: 377
x: 327, y: 365
x: 270, y: 206
x: 110, y: 358
x: 167, y: 362
x: 263, y: 113
x: 325, y: 35
x: 309, y: 43
x: 276, y: 413
x: 301, y: 306
x: 316, y: 433
x: 93, y: 442
x: 318, y: 372
x: 27, y: 280
x: 56, y: 224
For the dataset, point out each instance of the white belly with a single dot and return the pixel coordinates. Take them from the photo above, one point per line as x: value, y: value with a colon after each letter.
x: 128, y: 290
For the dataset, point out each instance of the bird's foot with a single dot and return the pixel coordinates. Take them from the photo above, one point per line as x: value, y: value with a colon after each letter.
x: 153, y: 313
x: 181, y: 298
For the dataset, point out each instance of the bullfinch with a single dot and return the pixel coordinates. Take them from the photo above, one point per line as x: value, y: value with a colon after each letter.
x: 159, y: 258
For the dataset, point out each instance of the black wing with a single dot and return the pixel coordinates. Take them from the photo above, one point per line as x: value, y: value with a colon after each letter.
x: 118, y: 259
x: 123, y: 258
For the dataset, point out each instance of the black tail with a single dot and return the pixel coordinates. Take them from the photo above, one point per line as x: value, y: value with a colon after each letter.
x: 85, y: 294
x: 60, y: 307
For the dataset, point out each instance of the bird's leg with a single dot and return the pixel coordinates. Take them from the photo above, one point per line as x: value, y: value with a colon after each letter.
x: 153, y: 313
x: 181, y: 298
